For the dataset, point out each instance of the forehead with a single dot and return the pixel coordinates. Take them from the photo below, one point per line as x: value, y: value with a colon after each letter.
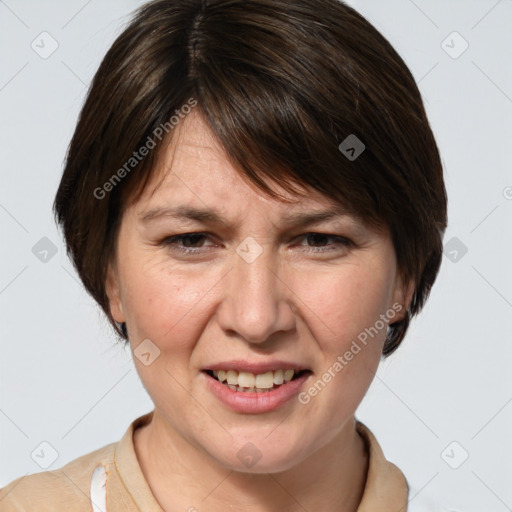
x: 193, y: 167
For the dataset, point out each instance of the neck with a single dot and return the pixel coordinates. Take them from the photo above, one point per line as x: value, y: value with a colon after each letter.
x: 333, y: 478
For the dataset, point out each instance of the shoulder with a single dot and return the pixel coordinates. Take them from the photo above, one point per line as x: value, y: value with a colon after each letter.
x: 67, y: 487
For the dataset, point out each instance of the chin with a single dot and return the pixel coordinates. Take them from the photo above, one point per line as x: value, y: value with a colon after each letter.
x: 264, y: 465
x: 247, y: 457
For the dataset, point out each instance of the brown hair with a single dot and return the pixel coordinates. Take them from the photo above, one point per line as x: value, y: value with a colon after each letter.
x: 281, y: 84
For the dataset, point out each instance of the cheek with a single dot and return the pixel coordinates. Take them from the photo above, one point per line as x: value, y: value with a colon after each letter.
x: 342, y: 304
x: 162, y: 303
x: 345, y: 309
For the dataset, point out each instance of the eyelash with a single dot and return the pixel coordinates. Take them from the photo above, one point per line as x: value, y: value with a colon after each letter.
x: 172, y: 242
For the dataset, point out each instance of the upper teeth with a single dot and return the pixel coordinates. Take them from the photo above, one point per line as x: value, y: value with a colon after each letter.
x: 250, y: 380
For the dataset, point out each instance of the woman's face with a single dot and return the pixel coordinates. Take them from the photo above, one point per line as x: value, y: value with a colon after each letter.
x: 257, y: 292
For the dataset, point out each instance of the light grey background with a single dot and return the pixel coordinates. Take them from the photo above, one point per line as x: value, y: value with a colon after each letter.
x: 65, y: 382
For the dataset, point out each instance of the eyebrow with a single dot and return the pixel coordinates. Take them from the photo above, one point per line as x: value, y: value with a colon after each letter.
x: 210, y: 216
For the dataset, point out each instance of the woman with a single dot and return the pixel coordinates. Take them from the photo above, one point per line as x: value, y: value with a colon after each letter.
x: 255, y: 198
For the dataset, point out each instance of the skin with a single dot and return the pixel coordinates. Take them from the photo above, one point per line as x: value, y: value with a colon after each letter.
x: 295, y: 304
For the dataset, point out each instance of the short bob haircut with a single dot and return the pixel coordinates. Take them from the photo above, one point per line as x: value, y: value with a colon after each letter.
x: 281, y: 84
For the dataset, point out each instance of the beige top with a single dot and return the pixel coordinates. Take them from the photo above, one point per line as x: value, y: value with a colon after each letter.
x: 69, y: 488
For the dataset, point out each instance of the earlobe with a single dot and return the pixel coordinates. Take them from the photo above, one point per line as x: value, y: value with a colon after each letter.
x: 112, y: 290
x: 403, y: 295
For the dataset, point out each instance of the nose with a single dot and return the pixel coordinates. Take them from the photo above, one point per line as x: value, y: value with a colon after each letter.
x: 257, y: 302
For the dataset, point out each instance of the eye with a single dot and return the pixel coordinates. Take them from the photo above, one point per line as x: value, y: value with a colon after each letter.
x: 193, y: 243
x: 187, y: 242
x: 322, y: 240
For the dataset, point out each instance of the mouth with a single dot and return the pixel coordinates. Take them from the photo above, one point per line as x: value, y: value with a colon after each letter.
x: 248, y: 382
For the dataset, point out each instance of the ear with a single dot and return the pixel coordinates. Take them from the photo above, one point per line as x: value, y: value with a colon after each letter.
x: 402, y: 295
x: 113, y: 291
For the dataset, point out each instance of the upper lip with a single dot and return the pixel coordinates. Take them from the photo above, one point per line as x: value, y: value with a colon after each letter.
x: 253, y: 367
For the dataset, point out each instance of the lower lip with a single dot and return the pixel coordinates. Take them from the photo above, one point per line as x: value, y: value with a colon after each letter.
x: 253, y: 402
